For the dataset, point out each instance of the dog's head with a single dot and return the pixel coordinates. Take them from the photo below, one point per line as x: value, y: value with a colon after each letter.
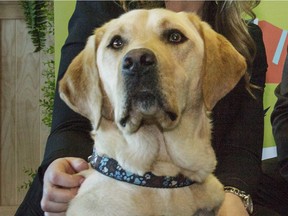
x: 150, y: 66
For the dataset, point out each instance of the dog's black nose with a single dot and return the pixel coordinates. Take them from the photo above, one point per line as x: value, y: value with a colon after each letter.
x: 138, y: 61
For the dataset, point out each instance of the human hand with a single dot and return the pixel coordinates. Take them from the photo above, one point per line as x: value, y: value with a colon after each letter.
x: 60, y: 185
x: 232, y: 205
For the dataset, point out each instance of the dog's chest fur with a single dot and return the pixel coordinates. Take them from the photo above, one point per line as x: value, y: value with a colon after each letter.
x: 146, y: 150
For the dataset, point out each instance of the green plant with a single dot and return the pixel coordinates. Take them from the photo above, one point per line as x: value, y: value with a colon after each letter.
x: 36, y: 20
x: 31, y: 174
x: 48, y: 88
x: 39, y: 16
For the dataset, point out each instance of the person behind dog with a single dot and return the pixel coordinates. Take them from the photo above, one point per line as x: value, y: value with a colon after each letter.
x: 237, y: 118
x: 273, y: 190
x: 279, y: 120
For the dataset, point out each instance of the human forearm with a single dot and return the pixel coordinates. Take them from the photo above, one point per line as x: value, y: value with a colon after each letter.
x: 239, y: 151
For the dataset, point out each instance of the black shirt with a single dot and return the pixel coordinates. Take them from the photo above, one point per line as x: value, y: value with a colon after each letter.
x: 279, y: 120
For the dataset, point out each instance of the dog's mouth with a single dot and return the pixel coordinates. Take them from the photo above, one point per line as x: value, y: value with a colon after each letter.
x: 144, y: 101
x: 147, y: 107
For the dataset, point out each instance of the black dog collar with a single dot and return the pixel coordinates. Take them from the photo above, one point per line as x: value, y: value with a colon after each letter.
x: 111, y: 168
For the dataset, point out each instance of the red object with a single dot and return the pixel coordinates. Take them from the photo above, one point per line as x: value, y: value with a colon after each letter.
x: 271, y: 37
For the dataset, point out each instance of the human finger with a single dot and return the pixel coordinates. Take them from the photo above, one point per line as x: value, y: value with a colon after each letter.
x: 78, y: 164
x: 62, y: 179
x: 59, y: 195
x: 56, y: 199
x: 53, y: 207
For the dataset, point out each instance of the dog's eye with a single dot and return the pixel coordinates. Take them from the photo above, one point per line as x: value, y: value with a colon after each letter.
x: 117, y: 42
x: 175, y: 36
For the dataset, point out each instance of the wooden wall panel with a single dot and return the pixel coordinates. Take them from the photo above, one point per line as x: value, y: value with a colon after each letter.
x: 8, y: 114
x: 22, y: 134
x: 10, y: 10
x: 27, y: 104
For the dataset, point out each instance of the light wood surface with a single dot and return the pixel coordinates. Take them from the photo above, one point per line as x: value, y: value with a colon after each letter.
x: 10, y: 10
x: 22, y: 134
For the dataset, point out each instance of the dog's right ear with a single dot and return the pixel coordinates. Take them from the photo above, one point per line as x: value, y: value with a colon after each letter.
x: 80, y: 86
x: 224, y: 66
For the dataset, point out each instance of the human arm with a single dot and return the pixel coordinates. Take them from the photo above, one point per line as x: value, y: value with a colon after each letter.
x: 239, y: 126
x: 279, y: 120
x: 238, y: 162
x: 232, y: 205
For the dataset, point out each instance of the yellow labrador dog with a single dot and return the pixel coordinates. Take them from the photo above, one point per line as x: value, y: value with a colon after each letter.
x: 147, y: 82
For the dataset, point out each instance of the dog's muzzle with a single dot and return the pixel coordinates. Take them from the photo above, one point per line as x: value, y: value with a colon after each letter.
x: 143, y: 96
x: 139, y: 68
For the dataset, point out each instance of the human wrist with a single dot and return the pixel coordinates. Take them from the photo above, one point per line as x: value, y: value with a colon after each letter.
x: 241, y: 195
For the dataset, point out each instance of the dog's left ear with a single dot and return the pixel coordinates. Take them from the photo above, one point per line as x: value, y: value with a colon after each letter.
x: 223, y: 66
x: 80, y: 86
